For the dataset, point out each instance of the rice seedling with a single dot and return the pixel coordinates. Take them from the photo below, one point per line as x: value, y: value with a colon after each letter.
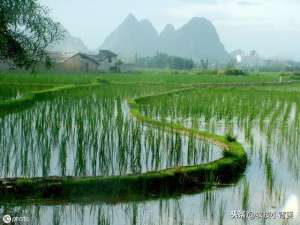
x: 222, y: 207
x: 246, y: 196
x: 273, y: 114
x: 91, y: 134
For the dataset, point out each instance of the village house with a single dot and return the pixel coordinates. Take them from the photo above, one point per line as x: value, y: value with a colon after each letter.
x: 79, y: 63
x: 107, y: 60
x: 104, y: 61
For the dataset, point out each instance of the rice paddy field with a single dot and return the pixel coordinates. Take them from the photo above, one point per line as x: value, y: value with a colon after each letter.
x: 89, y: 131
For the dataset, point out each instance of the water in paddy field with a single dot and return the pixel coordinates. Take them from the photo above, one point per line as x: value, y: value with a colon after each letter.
x: 71, y: 135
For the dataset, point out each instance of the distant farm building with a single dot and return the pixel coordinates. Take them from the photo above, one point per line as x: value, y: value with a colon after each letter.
x: 107, y: 60
x: 246, y: 60
x: 104, y: 61
x: 81, y: 63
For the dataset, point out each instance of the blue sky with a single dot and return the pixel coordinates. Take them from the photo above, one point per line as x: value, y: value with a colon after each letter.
x: 272, y: 27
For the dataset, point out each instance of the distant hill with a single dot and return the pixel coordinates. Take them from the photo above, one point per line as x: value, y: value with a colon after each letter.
x: 133, y: 37
x: 69, y: 43
x: 198, y: 39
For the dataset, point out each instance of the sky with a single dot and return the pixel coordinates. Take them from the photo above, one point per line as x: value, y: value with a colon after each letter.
x: 271, y: 27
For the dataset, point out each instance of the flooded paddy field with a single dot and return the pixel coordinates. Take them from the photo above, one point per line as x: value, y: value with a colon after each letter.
x: 89, y: 132
x: 92, y: 135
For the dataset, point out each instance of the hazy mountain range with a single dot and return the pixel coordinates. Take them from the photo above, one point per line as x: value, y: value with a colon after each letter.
x: 198, y: 39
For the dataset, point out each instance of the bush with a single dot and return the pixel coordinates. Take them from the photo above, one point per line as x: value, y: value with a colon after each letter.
x: 229, y: 137
x: 295, y: 76
x: 285, y: 74
x: 232, y: 71
x: 207, y: 72
x: 292, y: 75
x: 103, y: 81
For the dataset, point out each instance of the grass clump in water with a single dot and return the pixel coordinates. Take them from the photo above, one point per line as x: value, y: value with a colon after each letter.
x: 230, y: 137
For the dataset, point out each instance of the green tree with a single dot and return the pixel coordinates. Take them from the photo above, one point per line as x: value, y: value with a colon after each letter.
x: 162, y: 60
x: 26, y: 30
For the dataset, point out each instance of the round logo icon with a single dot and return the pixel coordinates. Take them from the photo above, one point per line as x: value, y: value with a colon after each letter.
x: 7, y: 219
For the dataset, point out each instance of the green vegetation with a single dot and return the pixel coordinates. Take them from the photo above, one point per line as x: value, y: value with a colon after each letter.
x: 180, y: 176
x: 229, y: 137
x: 163, y: 77
x: 266, y: 117
x: 232, y: 72
x: 164, y: 61
x: 26, y: 30
x: 187, y: 78
x: 135, y: 148
x: 97, y: 133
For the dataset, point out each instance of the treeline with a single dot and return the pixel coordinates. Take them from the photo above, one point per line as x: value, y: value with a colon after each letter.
x: 278, y: 66
x: 162, y: 61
